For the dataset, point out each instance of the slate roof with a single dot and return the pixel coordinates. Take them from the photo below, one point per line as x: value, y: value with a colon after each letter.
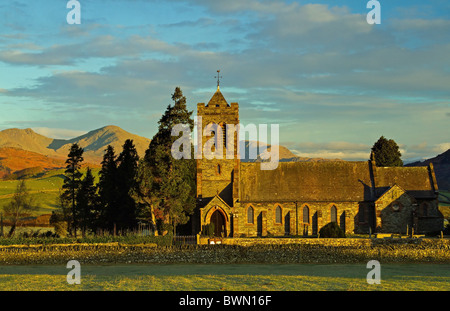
x: 334, y: 181
x: 417, y: 181
x: 306, y: 181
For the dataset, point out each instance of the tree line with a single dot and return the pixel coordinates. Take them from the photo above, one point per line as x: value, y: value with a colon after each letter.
x: 155, y: 189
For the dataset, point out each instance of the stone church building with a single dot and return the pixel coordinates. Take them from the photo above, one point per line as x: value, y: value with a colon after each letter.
x: 299, y: 198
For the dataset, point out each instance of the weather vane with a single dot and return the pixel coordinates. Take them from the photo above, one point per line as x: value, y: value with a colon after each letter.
x: 218, y: 78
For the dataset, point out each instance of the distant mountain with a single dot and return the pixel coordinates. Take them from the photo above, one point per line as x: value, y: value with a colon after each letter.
x: 441, y: 164
x: 94, y: 142
x: 285, y: 155
x: 27, y: 140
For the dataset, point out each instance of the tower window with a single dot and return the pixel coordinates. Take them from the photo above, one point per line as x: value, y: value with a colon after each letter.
x: 218, y: 169
x: 223, y: 126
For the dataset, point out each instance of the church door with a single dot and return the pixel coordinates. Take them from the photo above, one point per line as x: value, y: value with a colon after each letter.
x: 218, y: 220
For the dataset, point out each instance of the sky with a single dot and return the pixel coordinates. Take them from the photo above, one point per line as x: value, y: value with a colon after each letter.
x: 332, y: 82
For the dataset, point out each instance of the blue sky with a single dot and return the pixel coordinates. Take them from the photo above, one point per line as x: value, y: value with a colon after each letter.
x: 332, y: 82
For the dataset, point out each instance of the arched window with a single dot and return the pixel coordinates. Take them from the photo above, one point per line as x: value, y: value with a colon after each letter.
x: 333, y: 214
x: 224, y: 134
x: 211, y: 129
x: 306, y: 214
x: 250, y: 213
x: 218, y: 169
x: 278, y: 214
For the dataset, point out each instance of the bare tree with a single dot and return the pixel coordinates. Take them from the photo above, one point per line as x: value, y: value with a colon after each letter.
x: 21, y: 202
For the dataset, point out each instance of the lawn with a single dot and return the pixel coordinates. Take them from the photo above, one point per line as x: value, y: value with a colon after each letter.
x: 244, y: 277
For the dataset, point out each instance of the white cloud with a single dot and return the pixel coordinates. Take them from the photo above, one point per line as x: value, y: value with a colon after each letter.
x: 331, y: 150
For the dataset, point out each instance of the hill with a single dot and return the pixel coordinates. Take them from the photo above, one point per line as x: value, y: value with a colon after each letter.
x: 27, y: 140
x: 94, y: 142
x: 441, y: 164
x: 13, y: 160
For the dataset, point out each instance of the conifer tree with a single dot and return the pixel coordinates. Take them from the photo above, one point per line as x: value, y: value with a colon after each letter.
x: 173, y: 180
x: 108, y: 191
x: 126, y: 182
x: 72, y: 181
x: 386, y: 153
x: 87, y: 203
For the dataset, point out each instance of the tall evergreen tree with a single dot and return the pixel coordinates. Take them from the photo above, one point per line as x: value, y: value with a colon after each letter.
x: 87, y: 203
x: 386, y: 153
x: 108, y: 190
x: 127, y: 171
x: 173, y: 180
x: 72, y: 181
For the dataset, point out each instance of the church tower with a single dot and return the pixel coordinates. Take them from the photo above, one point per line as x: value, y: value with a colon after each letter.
x: 217, y: 178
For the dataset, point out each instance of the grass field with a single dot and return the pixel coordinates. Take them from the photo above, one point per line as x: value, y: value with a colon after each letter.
x: 252, y: 277
x: 44, y: 189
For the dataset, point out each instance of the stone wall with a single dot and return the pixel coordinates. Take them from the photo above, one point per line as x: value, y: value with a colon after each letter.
x: 319, y: 251
x: 356, y: 242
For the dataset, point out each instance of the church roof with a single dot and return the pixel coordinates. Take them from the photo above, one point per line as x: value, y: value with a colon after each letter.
x: 417, y: 181
x: 217, y: 99
x: 334, y: 181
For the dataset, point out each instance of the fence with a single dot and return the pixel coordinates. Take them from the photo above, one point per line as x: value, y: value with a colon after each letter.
x: 185, y: 240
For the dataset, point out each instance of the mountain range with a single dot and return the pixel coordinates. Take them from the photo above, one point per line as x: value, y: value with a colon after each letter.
x: 94, y: 142
x: 26, y: 143
x: 22, y: 149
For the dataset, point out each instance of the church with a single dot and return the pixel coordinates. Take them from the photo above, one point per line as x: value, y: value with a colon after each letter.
x: 299, y: 198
